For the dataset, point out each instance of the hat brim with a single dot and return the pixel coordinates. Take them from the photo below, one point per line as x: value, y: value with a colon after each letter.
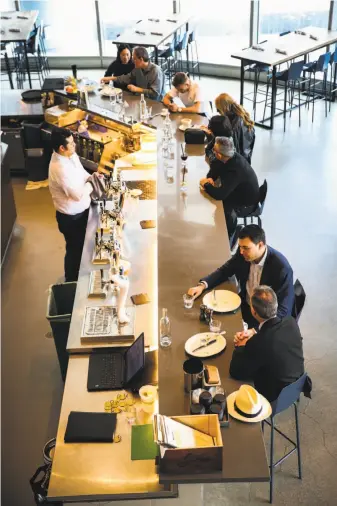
x: 265, y: 413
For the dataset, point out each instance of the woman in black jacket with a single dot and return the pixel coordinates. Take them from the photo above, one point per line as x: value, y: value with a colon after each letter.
x: 242, y: 125
x: 218, y: 126
x: 122, y: 65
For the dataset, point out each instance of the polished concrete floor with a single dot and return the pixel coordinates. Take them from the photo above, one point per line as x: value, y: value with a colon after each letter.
x: 300, y: 220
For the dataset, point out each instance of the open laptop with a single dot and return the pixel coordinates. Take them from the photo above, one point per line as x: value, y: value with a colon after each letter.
x: 110, y: 370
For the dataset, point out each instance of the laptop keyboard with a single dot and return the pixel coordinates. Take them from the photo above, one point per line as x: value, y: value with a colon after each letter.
x: 110, y: 370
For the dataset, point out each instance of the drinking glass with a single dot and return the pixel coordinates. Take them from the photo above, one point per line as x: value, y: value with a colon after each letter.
x: 113, y: 100
x: 132, y: 415
x: 215, y: 325
x: 120, y: 98
x: 188, y: 301
x: 148, y: 112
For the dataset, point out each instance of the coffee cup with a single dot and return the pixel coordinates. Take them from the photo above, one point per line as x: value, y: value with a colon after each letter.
x: 164, y: 112
x: 186, y: 123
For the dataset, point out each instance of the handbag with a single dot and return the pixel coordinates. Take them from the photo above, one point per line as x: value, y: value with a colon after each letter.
x: 194, y: 136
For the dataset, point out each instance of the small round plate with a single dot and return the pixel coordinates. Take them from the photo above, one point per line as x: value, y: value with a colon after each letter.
x: 201, y: 339
x: 106, y: 91
x: 225, y: 301
x: 136, y: 192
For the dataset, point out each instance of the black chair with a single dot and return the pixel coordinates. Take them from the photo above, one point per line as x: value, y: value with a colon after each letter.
x: 247, y: 215
x: 299, y: 301
x: 168, y: 62
x: 320, y: 65
x: 287, y: 398
x: 194, y: 65
x: 291, y: 78
x: 333, y: 77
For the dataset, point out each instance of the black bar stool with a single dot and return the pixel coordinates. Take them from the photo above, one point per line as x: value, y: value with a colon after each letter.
x: 291, y: 78
x: 194, y: 62
x: 320, y: 65
x: 333, y: 78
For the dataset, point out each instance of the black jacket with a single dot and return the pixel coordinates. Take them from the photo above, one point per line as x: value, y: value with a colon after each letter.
x: 244, y: 139
x: 273, y: 358
x: 238, y: 182
x: 117, y: 68
x: 276, y: 273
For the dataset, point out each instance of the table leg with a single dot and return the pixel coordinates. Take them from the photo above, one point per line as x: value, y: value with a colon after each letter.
x: 8, y: 71
x: 242, y: 81
x: 187, y: 52
x: 27, y: 64
x: 273, y: 98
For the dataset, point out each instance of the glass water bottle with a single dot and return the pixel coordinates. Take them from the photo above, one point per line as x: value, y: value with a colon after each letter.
x: 165, y: 330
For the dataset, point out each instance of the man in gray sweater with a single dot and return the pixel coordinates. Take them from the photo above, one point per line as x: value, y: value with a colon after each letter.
x: 146, y: 77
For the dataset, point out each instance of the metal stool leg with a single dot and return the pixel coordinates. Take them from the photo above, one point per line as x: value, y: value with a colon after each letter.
x: 325, y: 83
x: 265, y: 102
x: 298, y: 443
x: 271, y: 462
x: 285, y: 106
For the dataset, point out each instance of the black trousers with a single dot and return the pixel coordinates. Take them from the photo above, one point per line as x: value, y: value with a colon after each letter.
x: 231, y: 216
x: 73, y: 227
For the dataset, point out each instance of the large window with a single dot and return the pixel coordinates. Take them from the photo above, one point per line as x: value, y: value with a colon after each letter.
x: 278, y: 16
x: 115, y: 20
x: 71, y: 28
x: 222, y: 28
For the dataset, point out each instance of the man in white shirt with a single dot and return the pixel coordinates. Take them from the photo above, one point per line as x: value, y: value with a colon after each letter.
x: 71, y: 188
x: 188, y: 92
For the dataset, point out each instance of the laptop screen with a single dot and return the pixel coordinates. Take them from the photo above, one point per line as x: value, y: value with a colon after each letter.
x: 134, y: 358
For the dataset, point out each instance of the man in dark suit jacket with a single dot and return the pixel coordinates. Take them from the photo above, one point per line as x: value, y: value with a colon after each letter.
x: 239, y: 185
x: 273, y: 356
x: 253, y: 264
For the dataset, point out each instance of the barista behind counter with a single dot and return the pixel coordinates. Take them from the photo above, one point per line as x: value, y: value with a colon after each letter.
x: 146, y: 77
x: 71, y: 189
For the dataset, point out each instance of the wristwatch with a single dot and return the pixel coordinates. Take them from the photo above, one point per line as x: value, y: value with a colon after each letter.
x: 179, y: 109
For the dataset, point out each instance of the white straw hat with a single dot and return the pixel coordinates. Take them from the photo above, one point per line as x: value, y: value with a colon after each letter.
x: 247, y: 405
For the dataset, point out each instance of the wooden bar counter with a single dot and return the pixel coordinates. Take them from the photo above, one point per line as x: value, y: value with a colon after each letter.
x: 192, y: 240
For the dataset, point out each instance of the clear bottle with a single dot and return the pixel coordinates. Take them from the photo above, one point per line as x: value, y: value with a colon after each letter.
x: 165, y: 330
x: 142, y: 108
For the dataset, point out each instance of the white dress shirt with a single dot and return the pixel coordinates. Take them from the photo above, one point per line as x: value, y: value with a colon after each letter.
x: 254, y: 277
x: 190, y: 97
x: 67, y: 184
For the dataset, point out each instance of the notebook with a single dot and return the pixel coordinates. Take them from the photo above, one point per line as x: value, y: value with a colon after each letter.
x: 85, y: 427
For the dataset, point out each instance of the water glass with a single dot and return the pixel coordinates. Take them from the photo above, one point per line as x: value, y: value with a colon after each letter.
x: 113, y: 100
x: 120, y: 98
x: 188, y: 301
x: 148, y: 112
x: 132, y: 415
x: 215, y: 325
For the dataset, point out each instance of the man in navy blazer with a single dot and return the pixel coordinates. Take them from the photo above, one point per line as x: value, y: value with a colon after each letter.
x: 254, y: 264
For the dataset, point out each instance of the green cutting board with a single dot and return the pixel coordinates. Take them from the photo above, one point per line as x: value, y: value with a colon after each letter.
x: 143, y: 446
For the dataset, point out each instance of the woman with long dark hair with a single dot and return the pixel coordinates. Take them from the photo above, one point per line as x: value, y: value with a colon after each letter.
x: 122, y: 65
x: 242, y: 124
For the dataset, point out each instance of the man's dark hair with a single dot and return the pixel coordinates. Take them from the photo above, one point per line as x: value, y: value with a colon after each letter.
x: 59, y: 138
x: 264, y: 302
x: 141, y: 52
x: 220, y: 126
x: 179, y: 78
x: 254, y: 233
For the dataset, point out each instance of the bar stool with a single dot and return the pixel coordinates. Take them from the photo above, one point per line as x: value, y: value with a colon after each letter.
x: 287, y: 398
x: 168, y: 62
x: 333, y: 78
x: 290, y: 78
x: 179, y: 48
x: 37, y: 63
x: 194, y: 64
x: 9, y: 66
x: 320, y: 65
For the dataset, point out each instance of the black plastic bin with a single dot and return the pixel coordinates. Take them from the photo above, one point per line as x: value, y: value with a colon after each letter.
x: 59, y: 310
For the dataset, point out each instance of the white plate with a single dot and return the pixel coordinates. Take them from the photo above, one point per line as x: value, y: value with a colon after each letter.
x: 198, y: 339
x: 226, y: 301
x: 108, y: 92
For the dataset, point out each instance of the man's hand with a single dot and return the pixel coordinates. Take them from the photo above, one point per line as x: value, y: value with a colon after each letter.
x: 134, y: 89
x: 195, y: 291
x: 206, y: 180
x: 242, y: 337
x: 108, y: 79
x: 205, y: 129
x: 173, y: 107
